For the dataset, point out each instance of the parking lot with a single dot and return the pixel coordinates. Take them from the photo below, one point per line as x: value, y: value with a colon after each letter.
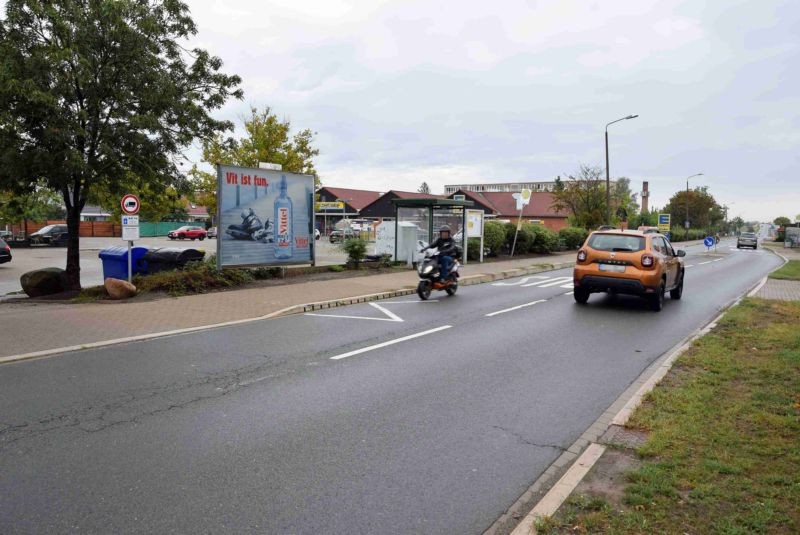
x: 28, y: 259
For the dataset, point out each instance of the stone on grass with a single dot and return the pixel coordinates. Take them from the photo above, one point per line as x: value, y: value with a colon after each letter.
x: 119, y: 289
x: 45, y: 281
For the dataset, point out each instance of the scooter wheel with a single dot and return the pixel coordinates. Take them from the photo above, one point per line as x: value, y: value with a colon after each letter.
x: 453, y: 288
x: 424, y: 290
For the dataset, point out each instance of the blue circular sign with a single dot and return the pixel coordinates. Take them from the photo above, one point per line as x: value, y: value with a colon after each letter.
x: 709, y: 241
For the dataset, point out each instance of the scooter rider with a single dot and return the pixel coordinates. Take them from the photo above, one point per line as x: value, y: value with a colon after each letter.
x: 447, y: 250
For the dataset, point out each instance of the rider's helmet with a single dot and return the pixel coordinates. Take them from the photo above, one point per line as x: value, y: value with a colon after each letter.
x: 444, y: 229
x: 244, y: 215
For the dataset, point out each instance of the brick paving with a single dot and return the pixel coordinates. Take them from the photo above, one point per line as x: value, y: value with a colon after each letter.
x: 30, y: 327
x: 780, y: 289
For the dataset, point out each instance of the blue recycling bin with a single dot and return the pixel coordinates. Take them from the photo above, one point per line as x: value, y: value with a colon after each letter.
x: 115, y: 261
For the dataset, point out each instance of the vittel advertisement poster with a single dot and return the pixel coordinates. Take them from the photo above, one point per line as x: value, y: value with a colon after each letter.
x: 264, y: 217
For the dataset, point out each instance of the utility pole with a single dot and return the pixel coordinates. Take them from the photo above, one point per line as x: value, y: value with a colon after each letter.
x: 686, y: 222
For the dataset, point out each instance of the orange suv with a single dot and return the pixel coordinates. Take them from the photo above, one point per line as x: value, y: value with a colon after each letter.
x: 629, y: 262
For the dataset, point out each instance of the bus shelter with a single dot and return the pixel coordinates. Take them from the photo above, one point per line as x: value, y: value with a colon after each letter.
x: 417, y: 222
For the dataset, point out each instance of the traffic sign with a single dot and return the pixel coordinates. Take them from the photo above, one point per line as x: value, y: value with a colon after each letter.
x: 709, y: 241
x: 130, y: 204
x: 664, y: 222
x: 130, y: 227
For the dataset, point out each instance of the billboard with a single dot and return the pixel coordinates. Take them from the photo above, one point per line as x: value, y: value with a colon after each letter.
x: 265, y: 217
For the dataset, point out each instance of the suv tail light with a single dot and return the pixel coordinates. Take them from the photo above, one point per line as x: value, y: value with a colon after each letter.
x: 581, y: 256
x: 647, y: 260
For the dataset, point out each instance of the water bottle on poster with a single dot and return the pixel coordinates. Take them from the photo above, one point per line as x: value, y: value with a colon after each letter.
x: 284, y: 235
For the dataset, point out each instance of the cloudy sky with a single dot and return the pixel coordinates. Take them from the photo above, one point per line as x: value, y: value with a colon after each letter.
x: 446, y: 92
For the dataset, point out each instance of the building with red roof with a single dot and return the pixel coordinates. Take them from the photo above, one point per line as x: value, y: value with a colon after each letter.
x: 502, y: 205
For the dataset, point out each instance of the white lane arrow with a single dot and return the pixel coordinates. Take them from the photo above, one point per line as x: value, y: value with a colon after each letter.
x: 521, y: 281
x: 390, y: 316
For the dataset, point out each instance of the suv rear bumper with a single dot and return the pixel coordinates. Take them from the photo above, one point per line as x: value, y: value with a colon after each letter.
x: 599, y: 283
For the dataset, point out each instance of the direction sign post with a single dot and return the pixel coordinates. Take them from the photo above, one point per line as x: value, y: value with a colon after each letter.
x: 708, y: 242
x: 130, y: 225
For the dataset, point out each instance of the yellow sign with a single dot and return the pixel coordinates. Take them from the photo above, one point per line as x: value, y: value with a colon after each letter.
x: 324, y: 206
x: 664, y: 222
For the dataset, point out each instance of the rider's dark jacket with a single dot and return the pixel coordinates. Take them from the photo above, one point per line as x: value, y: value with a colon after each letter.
x: 446, y: 246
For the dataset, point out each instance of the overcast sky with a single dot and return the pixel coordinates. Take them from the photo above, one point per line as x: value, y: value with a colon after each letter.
x: 451, y: 92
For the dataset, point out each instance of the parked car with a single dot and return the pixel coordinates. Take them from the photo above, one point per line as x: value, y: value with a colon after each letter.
x: 316, y: 234
x: 747, y: 239
x: 187, y: 232
x: 6, y: 235
x: 5, y: 252
x: 629, y: 262
x: 212, y: 232
x: 51, y: 235
x: 341, y: 235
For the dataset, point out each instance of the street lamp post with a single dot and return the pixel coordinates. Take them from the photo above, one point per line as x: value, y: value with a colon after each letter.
x: 608, y: 174
x: 686, y: 223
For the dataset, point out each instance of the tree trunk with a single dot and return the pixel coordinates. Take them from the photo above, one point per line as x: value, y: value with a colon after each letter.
x: 73, y: 248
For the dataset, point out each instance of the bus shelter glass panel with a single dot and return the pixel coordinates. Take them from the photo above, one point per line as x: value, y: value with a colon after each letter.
x: 413, y: 231
x: 453, y: 218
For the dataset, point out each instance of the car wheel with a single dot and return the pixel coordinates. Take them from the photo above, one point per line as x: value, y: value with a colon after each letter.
x: 581, y: 296
x: 171, y: 238
x: 201, y: 238
x: 657, y: 301
x: 677, y: 292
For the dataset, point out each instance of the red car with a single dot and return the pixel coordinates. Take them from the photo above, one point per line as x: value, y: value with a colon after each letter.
x: 192, y: 233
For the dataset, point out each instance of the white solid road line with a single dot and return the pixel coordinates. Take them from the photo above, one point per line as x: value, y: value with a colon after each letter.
x: 718, y: 260
x: 391, y: 315
x: 549, y: 282
x: 570, y: 285
x: 515, y: 308
x: 706, y: 262
x: 569, y: 293
x: 690, y: 265
x: 389, y: 343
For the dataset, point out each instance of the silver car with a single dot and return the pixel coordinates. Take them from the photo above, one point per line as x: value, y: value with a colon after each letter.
x: 747, y: 239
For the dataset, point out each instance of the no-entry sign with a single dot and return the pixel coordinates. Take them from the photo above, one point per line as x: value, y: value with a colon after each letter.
x: 130, y: 204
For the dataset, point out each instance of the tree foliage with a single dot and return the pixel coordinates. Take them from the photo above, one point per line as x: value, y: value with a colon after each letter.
x: 424, y: 188
x: 95, y: 91
x: 704, y: 212
x: 40, y: 204
x: 267, y: 139
x: 584, y: 196
x: 782, y: 221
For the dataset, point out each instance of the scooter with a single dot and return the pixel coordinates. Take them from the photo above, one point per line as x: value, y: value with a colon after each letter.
x: 429, y: 270
x: 251, y: 228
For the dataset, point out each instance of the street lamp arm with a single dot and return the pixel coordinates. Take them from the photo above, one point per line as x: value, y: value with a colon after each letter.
x: 622, y: 119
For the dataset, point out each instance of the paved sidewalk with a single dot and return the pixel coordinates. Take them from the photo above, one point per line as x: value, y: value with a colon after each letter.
x: 30, y: 327
x: 785, y: 290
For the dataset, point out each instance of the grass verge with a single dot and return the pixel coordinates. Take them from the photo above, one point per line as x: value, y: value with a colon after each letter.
x: 723, y: 453
x: 789, y: 271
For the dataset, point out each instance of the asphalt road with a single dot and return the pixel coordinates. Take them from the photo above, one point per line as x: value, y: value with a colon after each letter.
x: 28, y: 259
x: 322, y: 423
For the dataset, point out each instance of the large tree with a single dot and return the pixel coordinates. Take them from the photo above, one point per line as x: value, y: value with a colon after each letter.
x: 95, y: 91
x: 704, y: 212
x: 267, y: 139
x: 584, y: 196
x: 782, y: 221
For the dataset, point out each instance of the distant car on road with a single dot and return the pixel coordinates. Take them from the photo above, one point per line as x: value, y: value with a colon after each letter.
x: 340, y: 235
x: 629, y: 262
x: 747, y: 239
x: 51, y: 235
x: 5, y: 252
x: 187, y: 232
x: 212, y: 232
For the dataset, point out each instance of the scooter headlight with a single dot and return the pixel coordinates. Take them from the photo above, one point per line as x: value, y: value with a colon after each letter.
x: 427, y: 269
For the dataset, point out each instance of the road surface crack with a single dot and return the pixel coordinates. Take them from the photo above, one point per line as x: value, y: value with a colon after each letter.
x: 523, y: 440
x: 135, y: 404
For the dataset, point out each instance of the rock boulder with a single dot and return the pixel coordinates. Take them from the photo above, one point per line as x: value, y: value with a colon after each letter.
x: 45, y: 281
x: 119, y: 289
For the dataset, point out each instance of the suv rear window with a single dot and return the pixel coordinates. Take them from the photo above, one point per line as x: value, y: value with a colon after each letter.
x: 616, y: 242
x: 748, y: 235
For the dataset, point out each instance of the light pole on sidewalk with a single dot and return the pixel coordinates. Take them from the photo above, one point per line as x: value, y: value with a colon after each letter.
x: 686, y: 223
x: 608, y: 174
